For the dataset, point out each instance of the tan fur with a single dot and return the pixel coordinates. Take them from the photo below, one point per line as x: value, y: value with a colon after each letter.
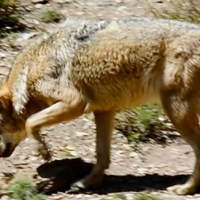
x: 100, y: 66
x: 5, y: 96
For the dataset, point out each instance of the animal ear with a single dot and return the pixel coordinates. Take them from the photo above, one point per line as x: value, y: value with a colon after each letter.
x: 5, y: 96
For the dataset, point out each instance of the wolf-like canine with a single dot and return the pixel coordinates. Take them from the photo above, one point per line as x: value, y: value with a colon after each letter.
x: 100, y: 66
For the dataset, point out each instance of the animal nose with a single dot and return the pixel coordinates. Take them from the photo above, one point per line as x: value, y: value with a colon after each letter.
x: 1, y: 138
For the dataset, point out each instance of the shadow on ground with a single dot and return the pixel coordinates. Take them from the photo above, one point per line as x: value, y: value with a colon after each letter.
x: 61, y: 174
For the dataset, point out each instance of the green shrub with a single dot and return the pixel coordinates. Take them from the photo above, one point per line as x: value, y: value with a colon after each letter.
x: 138, y: 124
x: 50, y: 16
x: 23, y: 189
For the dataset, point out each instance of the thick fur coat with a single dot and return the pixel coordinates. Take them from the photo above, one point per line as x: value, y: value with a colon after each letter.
x: 100, y: 66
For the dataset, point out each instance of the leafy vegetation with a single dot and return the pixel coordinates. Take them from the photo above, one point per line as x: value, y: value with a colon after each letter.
x: 188, y: 11
x: 50, y: 16
x: 115, y: 197
x: 140, y: 123
x: 146, y: 197
x: 121, y: 196
x: 23, y: 189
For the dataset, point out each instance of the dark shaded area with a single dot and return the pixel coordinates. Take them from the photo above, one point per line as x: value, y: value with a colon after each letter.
x: 131, y: 183
x: 62, y: 173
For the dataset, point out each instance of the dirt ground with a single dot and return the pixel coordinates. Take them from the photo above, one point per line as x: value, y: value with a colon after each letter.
x: 149, y: 169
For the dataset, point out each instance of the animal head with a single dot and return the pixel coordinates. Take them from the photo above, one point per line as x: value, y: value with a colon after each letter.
x: 11, y: 128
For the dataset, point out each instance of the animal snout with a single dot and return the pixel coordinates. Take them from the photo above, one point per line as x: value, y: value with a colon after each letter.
x: 2, y: 146
x: 1, y: 138
x: 5, y: 148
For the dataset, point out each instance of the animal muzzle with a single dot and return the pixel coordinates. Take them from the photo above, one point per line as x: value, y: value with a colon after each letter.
x: 6, y: 150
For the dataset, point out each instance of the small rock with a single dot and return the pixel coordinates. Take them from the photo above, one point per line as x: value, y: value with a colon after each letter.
x: 14, y: 171
x: 3, y: 55
x: 33, y: 158
x: 5, y: 197
x: 24, y: 157
x: 61, y: 148
x: 196, y: 196
x: 127, y: 147
x: 70, y: 148
x: 58, y: 197
x: 80, y: 13
x: 121, y: 8
x: 161, y: 118
x: 36, y: 21
x: 79, y: 196
x: 145, y: 149
x: 74, y: 153
x: 27, y: 36
x: 80, y: 134
x: 134, y: 155
x: 142, y: 170
x: 39, y: 5
x: 63, y: 1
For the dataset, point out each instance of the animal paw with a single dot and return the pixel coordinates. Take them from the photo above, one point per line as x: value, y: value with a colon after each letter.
x: 45, y: 152
x: 182, y: 189
x: 77, y: 186
x: 90, y: 181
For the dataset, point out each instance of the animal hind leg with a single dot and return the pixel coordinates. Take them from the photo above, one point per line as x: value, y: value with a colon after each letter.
x: 185, y: 115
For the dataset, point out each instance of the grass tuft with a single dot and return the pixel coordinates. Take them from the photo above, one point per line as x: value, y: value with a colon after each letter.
x: 23, y: 189
x: 51, y: 16
x: 146, y: 197
x: 188, y: 11
x: 140, y: 123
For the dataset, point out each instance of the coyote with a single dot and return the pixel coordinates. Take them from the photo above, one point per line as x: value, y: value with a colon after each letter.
x: 100, y: 66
